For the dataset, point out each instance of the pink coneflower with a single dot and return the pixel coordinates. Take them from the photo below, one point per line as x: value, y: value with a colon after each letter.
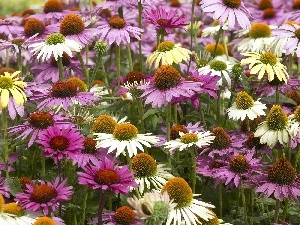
x: 239, y: 169
x: 52, y: 11
x: 10, y: 28
x: 113, y: 5
x: 74, y: 28
x: 281, y: 180
x: 89, y: 153
x: 50, y: 71
x: 65, y: 94
x: 123, y: 215
x: 164, y: 21
x: 4, y: 189
x: 106, y: 176
x: 44, y: 196
x: 233, y: 10
x: 167, y: 85
x: 59, y: 143
x: 117, y: 31
x: 36, y: 123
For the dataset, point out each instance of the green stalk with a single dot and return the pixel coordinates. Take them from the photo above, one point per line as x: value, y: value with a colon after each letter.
x: 84, y: 70
x: 91, y: 5
x: 141, y: 113
x: 7, y: 59
x: 220, y: 200
x: 60, y: 69
x: 98, y: 63
x: 217, y: 41
x: 119, y: 65
x: 104, y: 72
x: 20, y: 59
x: 289, y: 150
x: 285, y: 209
x: 5, y: 137
x: 128, y: 159
x: 140, y: 9
x: 85, y: 197
x: 194, y: 169
x: 277, y: 208
x: 225, y: 44
x: 202, y: 116
x: 168, y: 126
x: 129, y: 57
x: 175, y: 114
x: 102, y: 199
x: 218, y: 114
x: 43, y: 164
x: 244, y: 204
x: 277, y: 95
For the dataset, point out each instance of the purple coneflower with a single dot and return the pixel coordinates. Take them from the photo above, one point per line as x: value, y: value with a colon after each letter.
x: 36, y: 123
x: 61, y: 142
x: 105, y: 175
x: 10, y: 28
x: 113, y: 5
x: 45, y: 196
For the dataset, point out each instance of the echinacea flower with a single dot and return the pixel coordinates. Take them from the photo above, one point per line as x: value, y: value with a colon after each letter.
x: 188, y: 209
x: 125, y: 137
x: 167, y: 84
x: 281, y: 180
x: 187, y: 140
x: 45, y: 220
x: 10, y: 28
x: 4, y: 188
x: 61, y: 142
x: 149, y: 173
x: 56, y: 44
x: 64, y: 94
x: 36, y: 123
x: 275, y: 128
x: 232, y: 10
x: 244, y: 106
x: 11, y: 84
x: 153, y: 208
x: 112, y: 5
x: 265, y: 63
x: 168, y: 53
x: 45, y: 196
x: 107, y: 176
x: 164, y: 21
x: 295, y: 123
x: 117, y: 31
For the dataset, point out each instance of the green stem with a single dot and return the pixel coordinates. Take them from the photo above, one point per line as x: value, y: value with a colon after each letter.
x: 244, y: 204
x: 225, y: 44
x: 194, y: 169
x: 85, y: 197
x: 43, y: 164
x: 218, y: 114
x: 217, y: 41
x: 7, y: 59
x: 202, y: 116
x: 157, y: 39
x: 102, y: 199
x: 85, y: 72
x: 129, y: 57
x: 118, y: 49
x: 109, y: 201
x: 277, y: 95
x: 291, y: 63
x: 285, y: 209
x: 141, y: 113
x: 175, y: 114
x: 140, y: 9
x: 91, y: 5
x: 20, y: 59
x: 60, y: 69
x: 277, y: 208
x: 220, y: 200
x: 98, y: 63
x: 104, y: 73
x: 289, y: 150
x: 5, y: 137
x: 168, y: 126
x: 128, y: 159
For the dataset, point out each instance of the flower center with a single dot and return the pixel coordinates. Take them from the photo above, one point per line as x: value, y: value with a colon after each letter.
x: 252, y: 123
x: 296, y: 4
x: 41, y: 120
x: 221, y: 140
x: 66, y: 60
x: 100, y: 47
x: 166, y: 77
x: 189, y: 138
x: 71, y: 24
x: 268, y: 58
x: 104, y: 124
x: 33, y: 26
x: 165, y: 46
x: 217, y: 164
x: 2, y: 202
x: 105, y: 13
x: 63, y: 90
x: 244, y: 101
x: 144, y: 165
x: 239, y: 164
x: 259, y: 30
x: 218, y: 65
x: 297, y: 33
x: 6, y: 82
x: 277, y: 119
x: 89, y: 146
x: 175, y: 3
x: 211, y: 49
x: 265, y: 4
x: 134, y: 77
x: 82, y: 87
x: 297, y: 114
x: 179, y: 190
x: 59, y: 143
x: 213, y: 221
x: 162, y: 22
x: 13, y: 208
x: 174, y: 132
x: 282, y: 172
x: 124, y: 215
x: 125, y: 132
x: 53, y: 6
x: 44, y: 221
x: 269, y: 13
x: 9, y: 70
x: 253, y: 141
x: 27, y: 12
x: 43, y: 193
x: 107, y: 177
x: 54, y: 39
x: 234, y: 4
x: 117, y: 22
x: 18, y: 41
x: 25, y: 180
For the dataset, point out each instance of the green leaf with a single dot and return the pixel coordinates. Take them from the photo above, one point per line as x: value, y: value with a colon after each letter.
x: 282, y: 99
x: 14, y: 185
x: 150, y: 112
